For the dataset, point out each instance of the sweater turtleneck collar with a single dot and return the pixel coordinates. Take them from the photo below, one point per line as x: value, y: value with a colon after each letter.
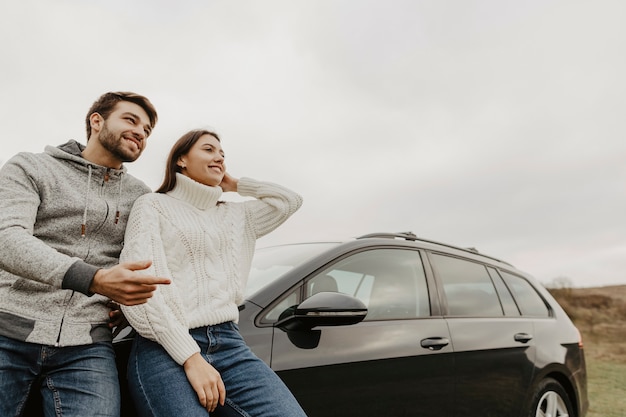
x: 198, y: 195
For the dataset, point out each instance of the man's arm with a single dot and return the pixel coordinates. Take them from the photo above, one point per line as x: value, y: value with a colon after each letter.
x: 119, y: 283
x: 124, y: 285
x: 21, y: 253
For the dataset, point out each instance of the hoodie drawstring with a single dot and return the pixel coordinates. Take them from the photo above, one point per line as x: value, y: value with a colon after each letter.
x: 119, y: 198
x: 83, y: 227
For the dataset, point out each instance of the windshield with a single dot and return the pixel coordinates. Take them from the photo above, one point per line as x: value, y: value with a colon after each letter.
x: 268, y: 264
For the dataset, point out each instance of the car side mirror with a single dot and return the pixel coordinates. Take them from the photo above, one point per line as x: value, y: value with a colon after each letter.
x: 323, y: 309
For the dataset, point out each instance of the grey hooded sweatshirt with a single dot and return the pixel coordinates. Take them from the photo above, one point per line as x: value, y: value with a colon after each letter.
x: 61, y: 219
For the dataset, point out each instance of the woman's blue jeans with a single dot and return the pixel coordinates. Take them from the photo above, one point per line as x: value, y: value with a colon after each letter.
x: 73, y: 381
x: 159, y: 386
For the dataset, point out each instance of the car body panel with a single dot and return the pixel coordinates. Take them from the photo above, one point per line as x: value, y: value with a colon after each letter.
x: 492, y: 370
x: 379, y: 365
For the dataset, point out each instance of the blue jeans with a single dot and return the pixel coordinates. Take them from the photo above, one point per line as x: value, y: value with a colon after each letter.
x: 159, y: 386
x: 73, y: 381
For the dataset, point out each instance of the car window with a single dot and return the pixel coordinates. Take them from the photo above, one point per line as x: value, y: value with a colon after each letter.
x: 508, y: 303
x: 284, y: 304
x: 528, y: 300
x: 390, y: 282
x: 467, y: 286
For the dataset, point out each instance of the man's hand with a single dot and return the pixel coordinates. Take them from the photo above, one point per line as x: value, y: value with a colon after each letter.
x: 206, y: 381
x: 117, y: 320
x: 125, y: 286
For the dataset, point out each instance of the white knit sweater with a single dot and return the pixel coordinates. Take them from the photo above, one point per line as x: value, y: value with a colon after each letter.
x: 205, y: 248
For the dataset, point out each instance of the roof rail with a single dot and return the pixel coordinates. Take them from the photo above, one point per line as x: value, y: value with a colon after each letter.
x: 413, y: 237
x: 402, y: 235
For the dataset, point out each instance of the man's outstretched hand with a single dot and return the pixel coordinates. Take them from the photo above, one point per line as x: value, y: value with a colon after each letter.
x: 123, y: 285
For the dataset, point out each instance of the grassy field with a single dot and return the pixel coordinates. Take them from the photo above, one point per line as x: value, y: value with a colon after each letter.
x: 600, y: 314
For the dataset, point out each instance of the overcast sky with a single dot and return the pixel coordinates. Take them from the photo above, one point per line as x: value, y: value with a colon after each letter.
x: 494, y: 124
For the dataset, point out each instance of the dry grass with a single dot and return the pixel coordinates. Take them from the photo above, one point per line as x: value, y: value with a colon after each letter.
x: 600, y: 315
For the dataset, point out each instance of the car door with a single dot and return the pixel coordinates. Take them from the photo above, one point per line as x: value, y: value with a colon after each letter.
x: 493, y: 345
x: 397, y: 362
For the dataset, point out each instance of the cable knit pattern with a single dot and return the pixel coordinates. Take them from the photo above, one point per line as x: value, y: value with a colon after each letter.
x: 205, y: 248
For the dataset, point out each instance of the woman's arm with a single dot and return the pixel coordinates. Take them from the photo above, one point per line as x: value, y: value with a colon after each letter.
x: 274, y: 204
x: 162, y: 319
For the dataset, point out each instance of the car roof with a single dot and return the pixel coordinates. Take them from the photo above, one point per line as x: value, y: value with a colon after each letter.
x: 432, y: 244
x: 405, y: 239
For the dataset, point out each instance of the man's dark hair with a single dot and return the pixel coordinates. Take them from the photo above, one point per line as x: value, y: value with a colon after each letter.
x: 107, y: 102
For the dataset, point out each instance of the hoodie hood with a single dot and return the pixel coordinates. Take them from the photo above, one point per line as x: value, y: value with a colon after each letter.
x: 73, y: 151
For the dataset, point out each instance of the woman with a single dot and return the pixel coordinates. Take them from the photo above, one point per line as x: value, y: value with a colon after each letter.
x: 189, y: 357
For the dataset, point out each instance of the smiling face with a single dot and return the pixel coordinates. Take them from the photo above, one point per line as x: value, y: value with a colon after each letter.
x: 122, y: 136
x: 204, y: 162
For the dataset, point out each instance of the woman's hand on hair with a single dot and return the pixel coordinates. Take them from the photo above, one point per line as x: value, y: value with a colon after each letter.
x: 229, y: 183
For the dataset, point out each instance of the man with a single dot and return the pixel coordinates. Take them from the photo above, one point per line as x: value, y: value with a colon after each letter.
x: 62, y: 219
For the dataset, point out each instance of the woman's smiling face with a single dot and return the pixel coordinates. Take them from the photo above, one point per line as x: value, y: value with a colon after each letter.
x: 204, y: 162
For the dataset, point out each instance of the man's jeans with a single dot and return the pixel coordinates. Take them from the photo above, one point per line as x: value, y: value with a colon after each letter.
x: 160, y: 387
x: 73, y: 381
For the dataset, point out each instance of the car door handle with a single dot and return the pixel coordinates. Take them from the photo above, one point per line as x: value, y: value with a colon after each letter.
x: 522, y: 337
x: 435, y: 343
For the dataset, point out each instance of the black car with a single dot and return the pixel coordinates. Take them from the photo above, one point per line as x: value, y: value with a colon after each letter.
x: 395, y: 325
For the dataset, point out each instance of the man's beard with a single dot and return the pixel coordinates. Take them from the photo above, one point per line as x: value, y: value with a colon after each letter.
x: 113, y: 144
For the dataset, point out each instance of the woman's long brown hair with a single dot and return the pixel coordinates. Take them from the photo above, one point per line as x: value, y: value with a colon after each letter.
x: 180, y: 148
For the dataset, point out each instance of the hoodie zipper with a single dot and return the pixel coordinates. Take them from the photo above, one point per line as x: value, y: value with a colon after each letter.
x: 106, y: 178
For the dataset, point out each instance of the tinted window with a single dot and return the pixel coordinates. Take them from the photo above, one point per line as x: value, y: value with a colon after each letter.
x: 529, y: 302
x: 391, y: 283
x: 467, y: 287
x: 506, y: 299
x: 287, y: 302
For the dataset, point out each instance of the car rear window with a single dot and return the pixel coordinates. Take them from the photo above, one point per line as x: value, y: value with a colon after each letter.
x: 528, y: 300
